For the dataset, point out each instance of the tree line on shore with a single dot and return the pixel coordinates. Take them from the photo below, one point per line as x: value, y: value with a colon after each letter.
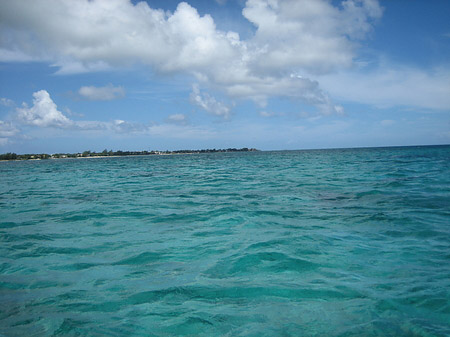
x: 106, y: 153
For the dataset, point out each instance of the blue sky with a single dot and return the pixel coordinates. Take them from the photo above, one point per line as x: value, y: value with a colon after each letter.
x: 270, y: 74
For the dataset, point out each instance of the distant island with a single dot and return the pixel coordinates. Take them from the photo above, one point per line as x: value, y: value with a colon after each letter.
x: 111, y: 153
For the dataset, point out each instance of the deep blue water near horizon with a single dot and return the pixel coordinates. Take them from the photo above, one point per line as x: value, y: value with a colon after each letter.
x: 351, y: 242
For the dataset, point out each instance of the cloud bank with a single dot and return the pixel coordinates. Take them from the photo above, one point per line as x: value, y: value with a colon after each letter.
x: 293, y: 40
x: 298, y: 49
x: 390, y: 86
x: 44, y: 114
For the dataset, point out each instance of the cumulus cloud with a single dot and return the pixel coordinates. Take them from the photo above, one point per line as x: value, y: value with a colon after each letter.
x: 44, y: 112
x: 106, y: 93
x: 307, y: 36
x: 209, y: 103
x: 310, y: 34
x: 89, y: 34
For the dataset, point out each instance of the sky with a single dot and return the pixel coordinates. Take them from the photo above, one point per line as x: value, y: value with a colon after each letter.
x: 80, y: 75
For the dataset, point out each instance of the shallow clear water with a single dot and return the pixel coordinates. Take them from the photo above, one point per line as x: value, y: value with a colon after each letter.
x: 297, y: 243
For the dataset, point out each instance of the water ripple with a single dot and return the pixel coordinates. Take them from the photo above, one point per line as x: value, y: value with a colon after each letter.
x: 294, y: 243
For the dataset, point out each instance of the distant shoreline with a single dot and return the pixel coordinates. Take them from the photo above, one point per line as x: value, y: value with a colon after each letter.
x: 112, y: 154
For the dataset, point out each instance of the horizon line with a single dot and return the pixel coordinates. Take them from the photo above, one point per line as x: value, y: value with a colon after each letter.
x: 248, y: 149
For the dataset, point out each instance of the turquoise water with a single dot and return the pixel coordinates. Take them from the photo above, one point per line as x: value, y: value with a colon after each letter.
x: 298, y: 243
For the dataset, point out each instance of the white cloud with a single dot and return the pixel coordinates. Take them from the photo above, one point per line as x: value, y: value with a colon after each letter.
x: 307, y: 36
x: 69, y: 67
x: 391, y: 85
x: 6, y: 102
x: 85, y: 35
x: 44, y: 112
x: 106, y: 93
x: 120, y: 126
x: 7, y: 130
x: 177, y: 119
x: 8, y: 55
x: 209, y: 103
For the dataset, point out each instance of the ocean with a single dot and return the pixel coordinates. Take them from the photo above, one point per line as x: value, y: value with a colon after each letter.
x: 343, y: 242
